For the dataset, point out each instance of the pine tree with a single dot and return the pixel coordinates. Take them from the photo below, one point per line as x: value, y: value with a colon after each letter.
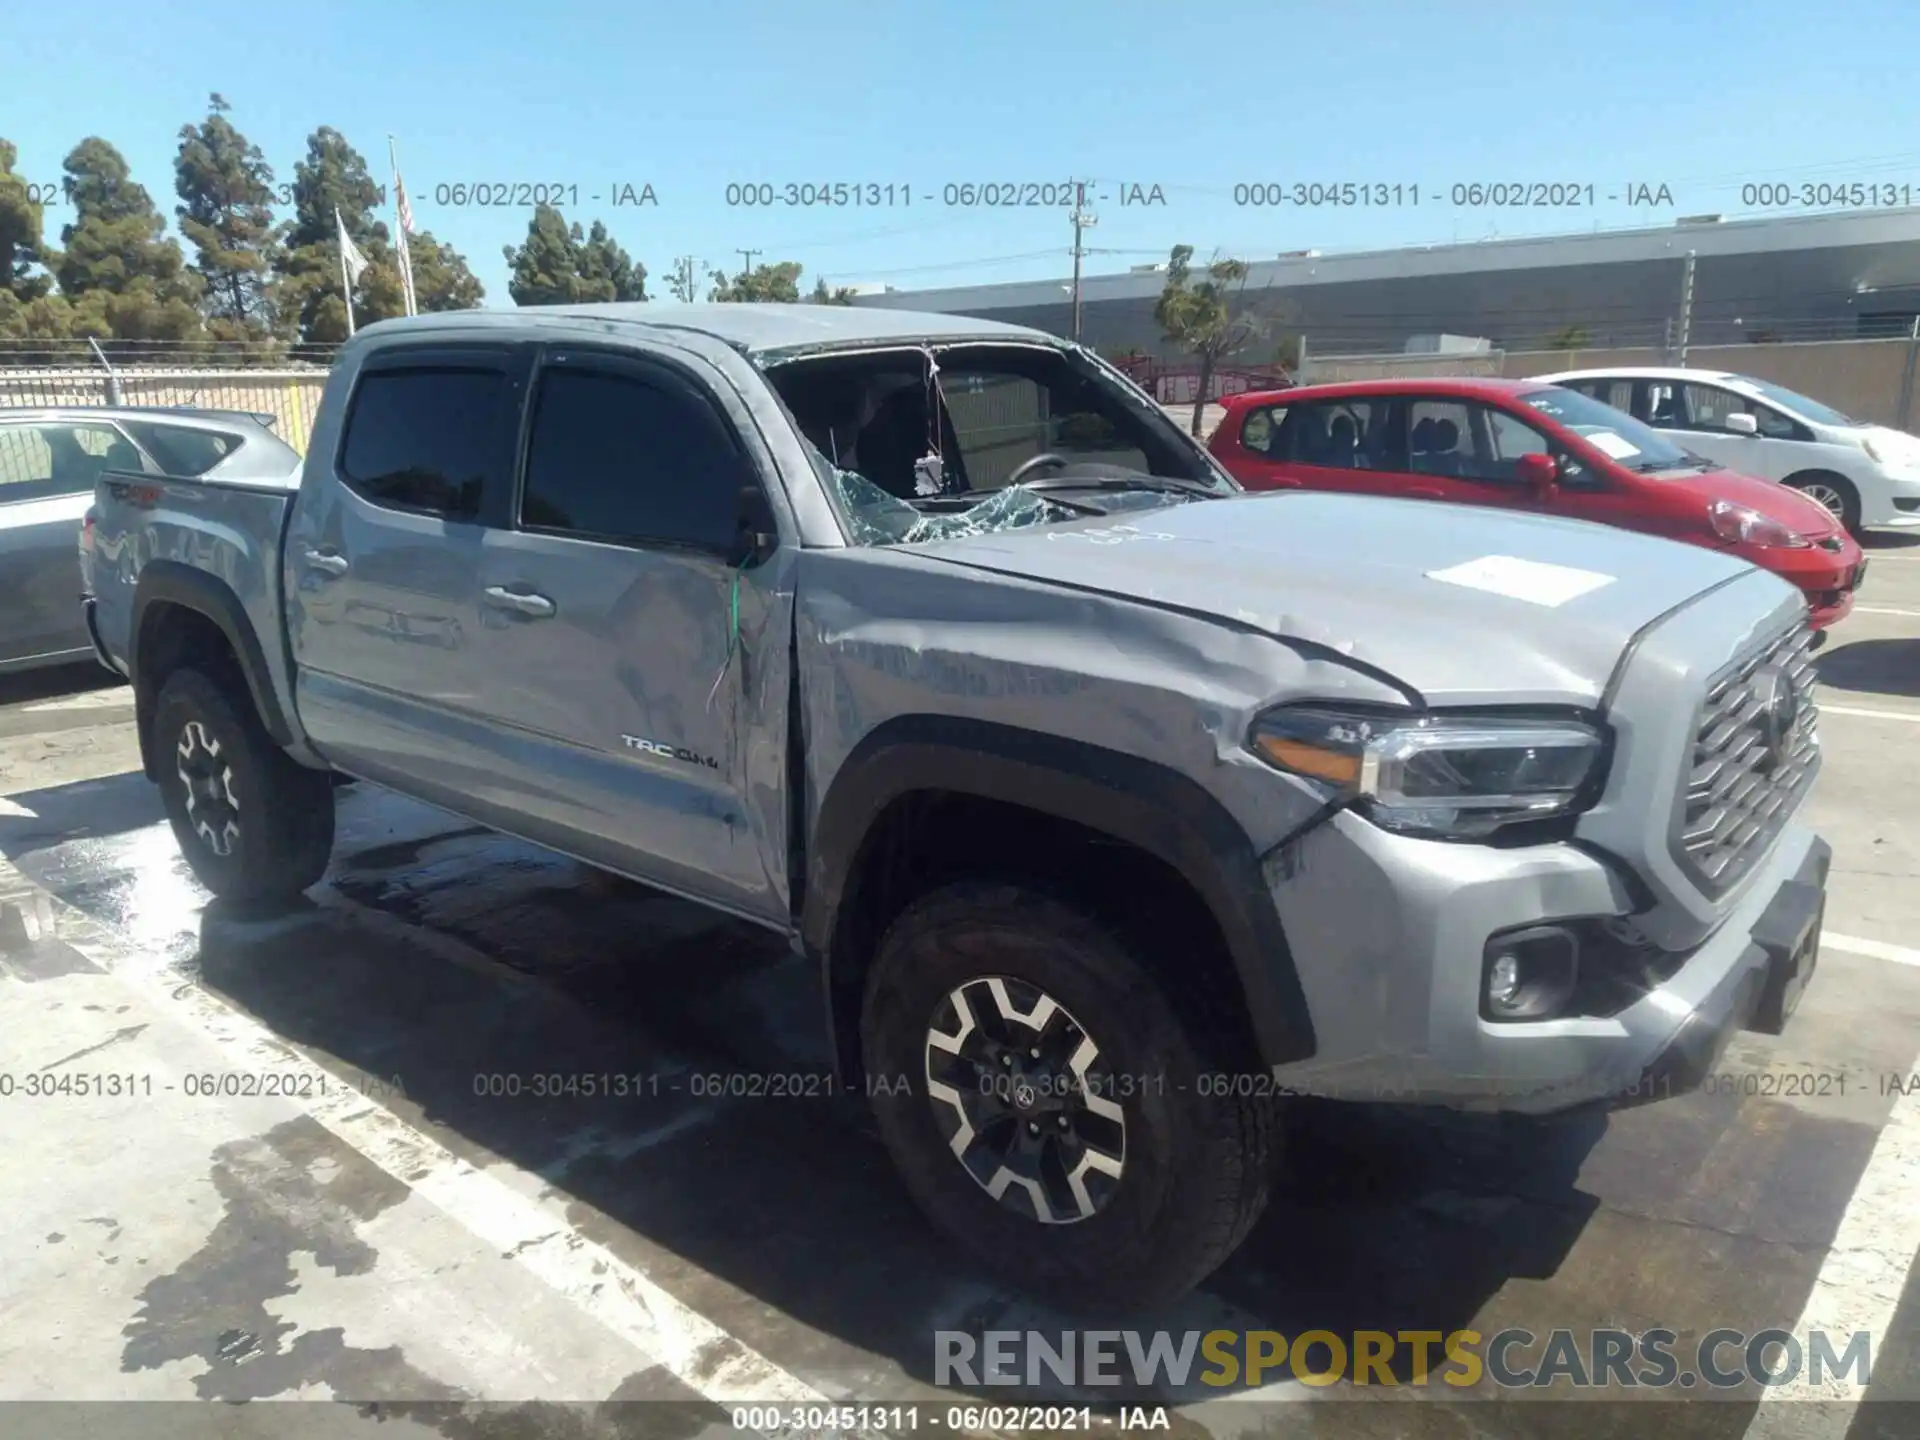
x: 226, y: 189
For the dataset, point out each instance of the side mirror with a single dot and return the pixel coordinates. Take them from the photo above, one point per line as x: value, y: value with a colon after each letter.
x: 1539, y: 473
x: 757, y: 536
x: 1743, y: 424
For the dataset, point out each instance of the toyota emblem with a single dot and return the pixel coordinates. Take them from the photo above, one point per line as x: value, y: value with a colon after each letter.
x: 1779, y: 713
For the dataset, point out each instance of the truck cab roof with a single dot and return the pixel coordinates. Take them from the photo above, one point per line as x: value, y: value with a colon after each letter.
x: 760, y: 330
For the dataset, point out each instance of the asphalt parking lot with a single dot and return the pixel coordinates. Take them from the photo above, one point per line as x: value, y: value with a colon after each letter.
x: 396, y: 1220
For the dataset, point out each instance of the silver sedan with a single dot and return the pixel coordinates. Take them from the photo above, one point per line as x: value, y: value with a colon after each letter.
x: 49, y: 461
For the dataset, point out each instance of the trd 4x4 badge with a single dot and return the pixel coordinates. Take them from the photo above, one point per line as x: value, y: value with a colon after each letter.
x: 669, y: 752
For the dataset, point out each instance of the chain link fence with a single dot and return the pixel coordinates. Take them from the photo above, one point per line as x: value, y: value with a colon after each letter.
x: 290, y: 396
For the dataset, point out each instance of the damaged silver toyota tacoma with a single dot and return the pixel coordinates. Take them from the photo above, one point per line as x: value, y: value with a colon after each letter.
x: 1113, y: 804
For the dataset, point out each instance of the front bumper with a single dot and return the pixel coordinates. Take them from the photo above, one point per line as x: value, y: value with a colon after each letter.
x: 1894, y: 504
x: 1389, y: 936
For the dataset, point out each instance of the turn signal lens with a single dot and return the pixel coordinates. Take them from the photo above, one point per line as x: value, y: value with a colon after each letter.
x: 1315, y: 761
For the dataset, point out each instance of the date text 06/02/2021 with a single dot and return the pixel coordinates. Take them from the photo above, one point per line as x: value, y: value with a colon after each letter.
x: 290, y: 1084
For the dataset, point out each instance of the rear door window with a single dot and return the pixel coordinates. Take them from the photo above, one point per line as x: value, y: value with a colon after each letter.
x: 60, y: 458
x: 1338, y: 435
x: 427, y: 439
x: 1608, y: 390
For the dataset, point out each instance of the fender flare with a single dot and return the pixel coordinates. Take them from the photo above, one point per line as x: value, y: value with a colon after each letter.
x: 172, y: 582
x: 1150, y: 806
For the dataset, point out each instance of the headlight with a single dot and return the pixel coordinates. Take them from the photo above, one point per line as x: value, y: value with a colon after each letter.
x: 1744, y: 526
x: 1453, y: 776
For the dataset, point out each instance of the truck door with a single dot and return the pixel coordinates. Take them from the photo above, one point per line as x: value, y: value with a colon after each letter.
x: 636, y: 671
x: 381, y: 561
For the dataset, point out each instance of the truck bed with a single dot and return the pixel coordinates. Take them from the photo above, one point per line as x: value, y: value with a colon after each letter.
x: 229, y: 529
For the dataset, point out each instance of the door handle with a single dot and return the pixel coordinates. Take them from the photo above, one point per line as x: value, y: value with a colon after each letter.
x: 326, y: 562
x: 538, y: 607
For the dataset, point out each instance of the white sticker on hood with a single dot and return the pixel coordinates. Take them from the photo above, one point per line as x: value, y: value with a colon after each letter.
x: 1608, y: 443
x: 1527, y: 580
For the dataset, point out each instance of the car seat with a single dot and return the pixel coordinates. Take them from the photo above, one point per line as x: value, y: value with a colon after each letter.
x: 1420, y: 445
x: 1445, y: 456
x: 1343, y: 439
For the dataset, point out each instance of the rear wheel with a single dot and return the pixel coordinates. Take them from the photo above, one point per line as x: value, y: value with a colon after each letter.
x: 1835, y: 492
x: 253, y: 825
x: 1047, y: 1106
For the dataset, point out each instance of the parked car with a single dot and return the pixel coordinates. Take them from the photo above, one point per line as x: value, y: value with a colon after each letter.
x: 49, y: 461
x: 1867, y: 475
x: 1110, y: 801
x: 1527, y: 445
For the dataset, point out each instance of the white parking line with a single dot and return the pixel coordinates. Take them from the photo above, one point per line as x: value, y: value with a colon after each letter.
x: 617, y: 1294
x: 1878, y: 949
x: 1859, y: 1284
x: 1885, y: 610
x: 1912, y: 717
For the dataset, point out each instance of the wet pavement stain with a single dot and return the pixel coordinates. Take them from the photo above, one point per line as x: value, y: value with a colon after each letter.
x: 647, y: 1405
x: 213, y: 1308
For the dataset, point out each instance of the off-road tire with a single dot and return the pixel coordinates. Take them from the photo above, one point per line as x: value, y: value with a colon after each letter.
x: 1199, y: 1143
x: 282, y: 834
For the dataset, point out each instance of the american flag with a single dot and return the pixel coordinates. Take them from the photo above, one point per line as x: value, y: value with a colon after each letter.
x: 403, y: 212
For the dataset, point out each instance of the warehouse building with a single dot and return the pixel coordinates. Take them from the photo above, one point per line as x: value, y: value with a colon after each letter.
x: 1845, y: 276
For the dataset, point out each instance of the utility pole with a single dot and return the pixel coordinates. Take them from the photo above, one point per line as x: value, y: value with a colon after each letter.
x: 1686, y: 306
x: 747, y: 256
x: 1081, y: 220
x: 682, y: 282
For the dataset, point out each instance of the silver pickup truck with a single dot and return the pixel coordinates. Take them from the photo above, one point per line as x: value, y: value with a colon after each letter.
x: 1112, y: 803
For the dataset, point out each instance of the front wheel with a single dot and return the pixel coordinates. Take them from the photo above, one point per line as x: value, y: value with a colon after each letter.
x: 1835, y: 492
x: 253, y: 825
x: 1047, y: 1106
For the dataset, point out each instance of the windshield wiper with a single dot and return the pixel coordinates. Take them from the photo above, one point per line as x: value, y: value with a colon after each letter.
x: 1689, y: 462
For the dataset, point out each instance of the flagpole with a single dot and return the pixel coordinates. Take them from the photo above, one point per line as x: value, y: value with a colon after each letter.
x: 400, y: 229
x: 346, y: 284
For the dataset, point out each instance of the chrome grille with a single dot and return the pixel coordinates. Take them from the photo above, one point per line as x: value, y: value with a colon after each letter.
x: 1750, y: 770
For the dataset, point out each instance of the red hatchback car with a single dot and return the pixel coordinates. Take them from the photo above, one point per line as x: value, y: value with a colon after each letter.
x: 1529, y: 446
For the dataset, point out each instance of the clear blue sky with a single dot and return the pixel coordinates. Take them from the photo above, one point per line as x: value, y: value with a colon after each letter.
x: 1703, y: 97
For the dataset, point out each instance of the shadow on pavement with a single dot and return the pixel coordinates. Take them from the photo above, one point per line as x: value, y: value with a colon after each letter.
x: 692, y: 1128
x: 80, y: 677
x: 1872, y: 667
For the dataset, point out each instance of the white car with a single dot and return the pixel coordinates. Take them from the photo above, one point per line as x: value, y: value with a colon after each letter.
x: 1867, y: 475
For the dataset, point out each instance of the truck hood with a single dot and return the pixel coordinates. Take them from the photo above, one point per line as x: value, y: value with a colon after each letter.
x: 1459, y: 604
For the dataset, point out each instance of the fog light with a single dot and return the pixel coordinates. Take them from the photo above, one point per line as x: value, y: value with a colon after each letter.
x: 1529, y: 973
x: 1503, y: 980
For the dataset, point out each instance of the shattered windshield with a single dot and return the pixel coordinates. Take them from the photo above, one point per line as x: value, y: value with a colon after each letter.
x: 924, y: 443
x: 878, y: 518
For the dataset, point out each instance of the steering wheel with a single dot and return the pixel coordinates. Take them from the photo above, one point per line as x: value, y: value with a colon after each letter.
x: 1047, y: 458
